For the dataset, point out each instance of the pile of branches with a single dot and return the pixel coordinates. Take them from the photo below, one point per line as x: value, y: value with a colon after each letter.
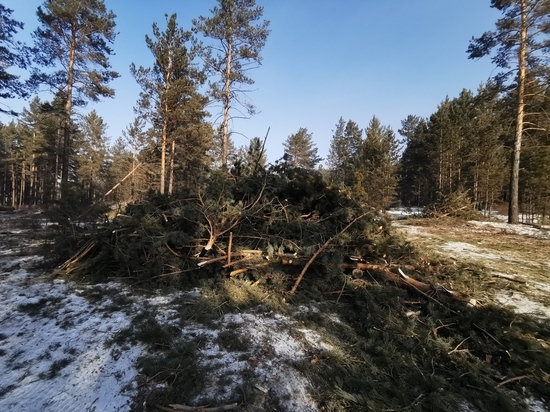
x: 457, y: 204
x: 231, y: 225
x: 247, y: 226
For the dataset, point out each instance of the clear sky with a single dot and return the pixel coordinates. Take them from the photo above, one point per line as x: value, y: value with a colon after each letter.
x: 323, y: 60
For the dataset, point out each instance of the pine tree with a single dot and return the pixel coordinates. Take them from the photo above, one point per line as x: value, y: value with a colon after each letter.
x: 134, y: 140
x: 485, y: 172
x: 376, y: 174
x: 171, y: 102
x: 92, y: 155
x: 121, y: 187
x: 37, y: 151
x: 521, y: 41
x: 239, y: 38
x: 12, y: 54
x: 251, y: 160
x: 73, y: 39
x: 345, y: 147
x: 300, y: 150
x: 10, y: 138
x: 415, y: 164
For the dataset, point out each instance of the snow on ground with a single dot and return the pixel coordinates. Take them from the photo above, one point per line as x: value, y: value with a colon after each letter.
x: 54, y: 351
x: 523, y: 304
x: 520, y: 301
x: 540, y: 232
x: 273, y: 343
x: 405, y: 212
x: 467, y: 250
x: 57, y: 351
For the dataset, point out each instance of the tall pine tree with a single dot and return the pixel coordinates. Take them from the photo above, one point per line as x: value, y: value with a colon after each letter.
x: 345, y: 148
x: 520, y: 41
x: 170, y: 101
x: 238, y: 37
x: 12, y: 54
x: 376, y: 174
x: 74, y: 40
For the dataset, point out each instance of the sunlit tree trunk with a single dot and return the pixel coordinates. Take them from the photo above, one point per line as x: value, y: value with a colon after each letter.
x: 226, y: 105
x: 513, y: 211
x: 171, y: 178
x: 68, y: 112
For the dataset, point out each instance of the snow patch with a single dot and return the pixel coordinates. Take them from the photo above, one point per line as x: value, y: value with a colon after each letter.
x: 524, y: 230
x: 56, y: 352
x: 467, y: 250
x: 523, y: 305
x: 273, y: 345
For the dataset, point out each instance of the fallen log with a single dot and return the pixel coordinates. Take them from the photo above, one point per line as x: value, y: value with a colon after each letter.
x: 177, y: 407
x: 401, y: 279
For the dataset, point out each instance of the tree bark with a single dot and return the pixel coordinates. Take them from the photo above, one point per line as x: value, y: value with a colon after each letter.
x: 68, y: 112
x: 227, y: 101
x: 163, y: 155
x: 513, y: 210
x: 171, y: 172
x: 165, y: 121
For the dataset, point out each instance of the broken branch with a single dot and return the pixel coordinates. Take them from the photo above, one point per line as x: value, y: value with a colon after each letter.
x: 320, y: 250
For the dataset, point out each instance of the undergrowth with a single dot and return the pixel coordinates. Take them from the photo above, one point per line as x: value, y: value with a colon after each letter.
x: 392, y: 349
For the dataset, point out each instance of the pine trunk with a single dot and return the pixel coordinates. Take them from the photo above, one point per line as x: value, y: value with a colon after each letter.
x: 171, y: 172
x: 68, y: 112
x: 167, y: 79
x: 513, y: 211
x: 226, y: 104
x: 163, y: 156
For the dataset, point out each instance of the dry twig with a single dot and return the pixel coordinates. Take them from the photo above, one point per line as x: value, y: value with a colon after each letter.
x: 504, y: 382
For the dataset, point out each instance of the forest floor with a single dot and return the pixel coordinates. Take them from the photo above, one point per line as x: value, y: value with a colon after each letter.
x: 66, y: 345
x: 519, y: 255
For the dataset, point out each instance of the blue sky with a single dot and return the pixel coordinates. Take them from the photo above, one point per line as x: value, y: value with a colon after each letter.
x: 323, y: 60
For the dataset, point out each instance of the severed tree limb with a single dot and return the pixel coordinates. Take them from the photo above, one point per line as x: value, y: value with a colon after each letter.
x: 320, y: 250
x: 372, y: 266
x: 236, y: 262
x: 243, y: 270
x: 171, y: 250
x: 82, y: 252
x: 458, y: 346
x: 426, y: 289
x: 207, y: 262
x: 229, y: 248
x: 517, y: 378
x: 176, y: 407
x: 123, y: 179
x: 508, y: 277
x: 203, y: 409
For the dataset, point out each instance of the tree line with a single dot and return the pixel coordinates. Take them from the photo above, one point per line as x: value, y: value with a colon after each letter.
x: 489, y: 146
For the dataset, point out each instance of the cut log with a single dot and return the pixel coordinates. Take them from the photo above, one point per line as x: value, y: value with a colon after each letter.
x: 177, y: 407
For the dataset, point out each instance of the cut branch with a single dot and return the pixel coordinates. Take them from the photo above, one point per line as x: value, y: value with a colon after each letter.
x: 123, y: 179
x: 176, y: 407
x: 322, y: 248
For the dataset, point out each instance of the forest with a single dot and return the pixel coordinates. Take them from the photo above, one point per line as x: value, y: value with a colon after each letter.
x: 179, y: 241
x: 54, y: 150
